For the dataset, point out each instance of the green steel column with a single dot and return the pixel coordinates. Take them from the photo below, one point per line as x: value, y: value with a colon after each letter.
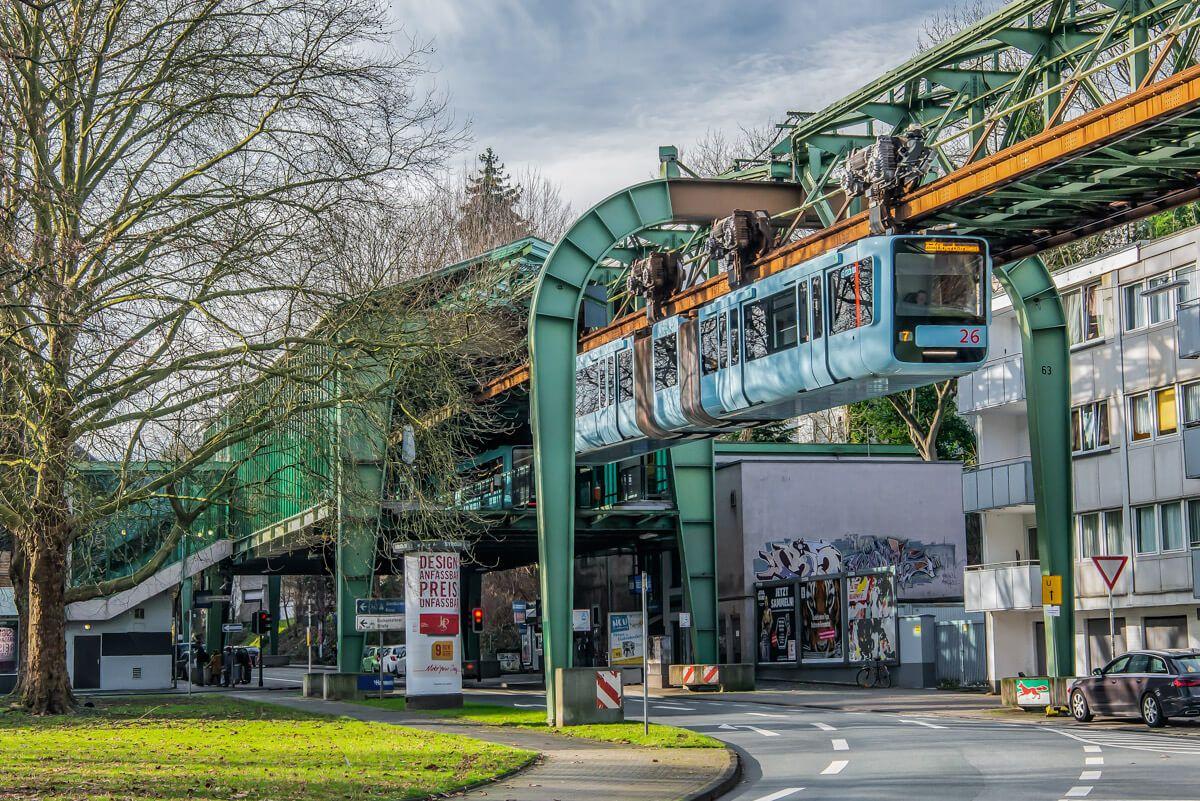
x: 362, y: 437
x: 693, y: 486
x: 1139, y: 34
x: 215, y: 615
x: 185, y: 610
x: 1047, y: 361
x: 273, y: 589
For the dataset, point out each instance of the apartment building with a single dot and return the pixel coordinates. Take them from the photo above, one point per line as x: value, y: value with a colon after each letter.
x: 1135, y: 392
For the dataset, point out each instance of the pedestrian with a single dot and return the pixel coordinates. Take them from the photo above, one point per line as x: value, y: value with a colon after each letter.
x: 214, y: 668
x: 201, y: 661
x: 227, y: 667
x: 243, y: 665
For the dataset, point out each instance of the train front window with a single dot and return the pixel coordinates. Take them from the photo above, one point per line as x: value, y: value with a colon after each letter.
x: 939, y: 279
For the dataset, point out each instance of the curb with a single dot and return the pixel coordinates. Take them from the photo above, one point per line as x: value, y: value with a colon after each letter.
x: 499, y: 777
x: 723, y: 783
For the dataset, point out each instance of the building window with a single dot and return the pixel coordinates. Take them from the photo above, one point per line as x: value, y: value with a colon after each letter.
x: 1157, y: 307
x: 139, y: 613
x: 1170, y: 517
x: 1191, y: 403
x: 709, y: 346
x: 850, y: 296
x: 1135, y: 308
x: 1193, y: 515
x: 1147, y: 531
x: 1089, y: 427
x: 666, y: 364
x: 1164, y: 404
x: 1141, y: 417
x: 1085, y: 318
x: 1101, y: 533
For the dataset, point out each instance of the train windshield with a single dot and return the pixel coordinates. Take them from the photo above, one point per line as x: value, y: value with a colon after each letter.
x: 939, y: 279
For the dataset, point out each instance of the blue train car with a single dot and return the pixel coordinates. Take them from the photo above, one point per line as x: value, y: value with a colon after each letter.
x: 875, y: 317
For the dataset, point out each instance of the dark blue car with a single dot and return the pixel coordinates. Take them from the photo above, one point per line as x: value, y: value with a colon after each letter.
x: 1155, y: 685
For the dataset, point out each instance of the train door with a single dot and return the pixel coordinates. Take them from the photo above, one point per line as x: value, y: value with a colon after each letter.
x: 818, y: 347
x: 850, y: 295
x: 729, y: 354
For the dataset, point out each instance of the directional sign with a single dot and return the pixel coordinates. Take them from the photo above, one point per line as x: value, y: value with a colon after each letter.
x: 379, y: 606
x: 1110, y: 568
x: 1051, y: 590
x: 204, y: 599
x: 379, y: 622
x: 518, y: 612
x: 231, y: 628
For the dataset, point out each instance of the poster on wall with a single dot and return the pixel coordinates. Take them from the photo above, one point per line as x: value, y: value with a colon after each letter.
x: 821, y: 621
x: 871, y: 611
x: 777, y: 624
x: 431, y: 582
x: 8, y: 646
x: 624, y: 638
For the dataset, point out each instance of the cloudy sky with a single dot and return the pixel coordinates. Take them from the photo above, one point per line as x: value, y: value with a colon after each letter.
x: 587, y: 91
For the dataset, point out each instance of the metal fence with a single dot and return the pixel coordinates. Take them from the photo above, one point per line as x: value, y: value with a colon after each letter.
x: 961, y: 652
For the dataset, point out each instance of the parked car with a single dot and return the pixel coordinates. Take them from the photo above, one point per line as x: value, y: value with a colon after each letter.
x: 370, y: 659
x: 394, y: 659
x: 1155, y: 685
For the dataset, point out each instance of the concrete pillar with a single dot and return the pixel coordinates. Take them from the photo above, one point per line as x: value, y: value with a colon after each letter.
x: 273, y: 588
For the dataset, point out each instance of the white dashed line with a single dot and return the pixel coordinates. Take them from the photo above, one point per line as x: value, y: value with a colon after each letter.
x: 841, y: 745
x: 824, y: 726
x: 765, y: 715
x: 1094, y: 761
x: 922, y: 723
x: 680, y: 708
x: 778, y: 794
x: 1091, y: 749
x: 837, y: 766
x: 1079, y: 791
x: 1089, y: 776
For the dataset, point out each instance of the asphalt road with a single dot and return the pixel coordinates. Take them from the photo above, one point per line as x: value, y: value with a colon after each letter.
x: 796, y: 753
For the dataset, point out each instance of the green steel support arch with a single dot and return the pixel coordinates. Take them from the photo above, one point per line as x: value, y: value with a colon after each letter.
x: 1046, y: 355
x: 693, y: 486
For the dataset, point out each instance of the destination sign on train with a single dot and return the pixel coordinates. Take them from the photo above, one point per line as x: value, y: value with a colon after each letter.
x: 951, y: 246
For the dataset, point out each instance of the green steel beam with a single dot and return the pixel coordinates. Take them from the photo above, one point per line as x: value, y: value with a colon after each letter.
x: 693, y: 478
x: 274, y: 587
x: 1047, y: 362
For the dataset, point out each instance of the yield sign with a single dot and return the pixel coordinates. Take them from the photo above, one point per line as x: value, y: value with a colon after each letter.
x: 1110, y: 568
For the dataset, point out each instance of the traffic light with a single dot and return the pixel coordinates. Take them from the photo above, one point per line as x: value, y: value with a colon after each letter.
x: 261, y: 623
x: 477, y: 620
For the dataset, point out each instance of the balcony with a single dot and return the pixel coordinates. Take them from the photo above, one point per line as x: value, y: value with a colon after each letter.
x: 997, y: 383
x: 998, y: 486
x: 1191, y: 452
x: 1188, y: 329
x: 1003, y: 586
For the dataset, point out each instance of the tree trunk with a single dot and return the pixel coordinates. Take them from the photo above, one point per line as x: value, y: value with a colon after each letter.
x: 46, y: 689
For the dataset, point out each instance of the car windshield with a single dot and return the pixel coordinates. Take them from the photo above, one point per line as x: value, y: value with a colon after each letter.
x: 938, y: 278
x: 1188, y: 665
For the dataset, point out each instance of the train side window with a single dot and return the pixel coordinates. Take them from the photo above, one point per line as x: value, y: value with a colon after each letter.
x: 735, y: 342
x: 600, y: 367
x: 610, y: 380
x: 782, y: 313
x: 802, y: 312
x: 586, y: 390
x: 722, y: 341
x: 850, y: 296
x: 709, y: 346
x: 756, y: 330
x: 624, y: 376
x: 818, y: 322
x: 666, y: 363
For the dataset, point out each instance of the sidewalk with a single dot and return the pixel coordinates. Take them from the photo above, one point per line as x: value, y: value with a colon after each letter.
x: 570, y: 769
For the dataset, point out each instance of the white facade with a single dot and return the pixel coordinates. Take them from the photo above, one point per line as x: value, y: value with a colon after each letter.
x: 1135, y: 402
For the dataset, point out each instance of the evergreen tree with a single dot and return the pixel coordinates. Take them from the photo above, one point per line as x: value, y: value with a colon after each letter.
x: 488, y: 213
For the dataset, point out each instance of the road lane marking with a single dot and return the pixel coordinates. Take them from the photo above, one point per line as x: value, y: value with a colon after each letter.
x: 922, y: 723
x: 1089, y: 776
x: 680, y: 708
x: 841, y: 745
x: 289, y: 681
x: 748, y: 727
x: 1079, y: 791
x: 530, y: 706
x: 1091, y: 749
x: 778, y: 794
x: 836, y: 766
x: 824, y: 727
x: 765, y: 715
x: 1094, y: 760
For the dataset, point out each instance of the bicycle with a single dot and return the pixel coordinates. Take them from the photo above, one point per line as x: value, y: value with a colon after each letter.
x: 874, y: 674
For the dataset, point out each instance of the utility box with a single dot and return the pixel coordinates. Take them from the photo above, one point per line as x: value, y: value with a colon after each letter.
x: 588, y: 695
x: 658, y: 664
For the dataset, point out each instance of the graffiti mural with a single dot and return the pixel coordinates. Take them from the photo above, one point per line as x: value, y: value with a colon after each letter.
x: 923, y: 570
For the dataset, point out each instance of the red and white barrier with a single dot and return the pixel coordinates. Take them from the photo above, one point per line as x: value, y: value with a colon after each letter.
x: 608, y: 689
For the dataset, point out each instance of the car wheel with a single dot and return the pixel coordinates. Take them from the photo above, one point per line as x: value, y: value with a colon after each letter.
x: 1152, y: 712
x: 1079, y: 707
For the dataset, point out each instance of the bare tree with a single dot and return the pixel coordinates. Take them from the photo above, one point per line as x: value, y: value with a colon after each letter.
x: 167, y: 168
x: 715, y: 153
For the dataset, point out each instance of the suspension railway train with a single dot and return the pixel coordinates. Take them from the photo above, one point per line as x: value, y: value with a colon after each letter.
x: 877, y: 316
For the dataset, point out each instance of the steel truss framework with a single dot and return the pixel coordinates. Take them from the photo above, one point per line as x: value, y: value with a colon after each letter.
x: 1050, y: 120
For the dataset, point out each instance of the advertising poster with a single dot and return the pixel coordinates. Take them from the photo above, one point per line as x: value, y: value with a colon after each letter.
x: 821, y: 621
x: 777, y: 629
x: 8, y: 646
x: 431, y: 582
x: 525, y: 634
x: 624, y: 638
x: 871, y: 609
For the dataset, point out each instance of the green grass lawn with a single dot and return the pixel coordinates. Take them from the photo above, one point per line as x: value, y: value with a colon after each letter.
x: 535, y: 719
x: 216, y: 748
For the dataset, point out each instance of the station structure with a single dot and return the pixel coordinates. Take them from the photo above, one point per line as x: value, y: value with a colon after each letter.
x: 1046, y: 122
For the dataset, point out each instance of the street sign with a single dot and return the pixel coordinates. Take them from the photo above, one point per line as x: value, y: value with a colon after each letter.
x: 231, y: 628
x: 379, y: 622
x: 1110, y: 568
x: 635, y: 584
x: 518, y: 612
x: 379, y: 606
x: 204, y: 599
x: 369, y: 682
x: 1032, y: 692
x: 581, y: 620
x: 685, y: 620
x: 1052, y: 590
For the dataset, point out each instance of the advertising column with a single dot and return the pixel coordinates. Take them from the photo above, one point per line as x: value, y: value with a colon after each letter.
x: 434, y: 643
